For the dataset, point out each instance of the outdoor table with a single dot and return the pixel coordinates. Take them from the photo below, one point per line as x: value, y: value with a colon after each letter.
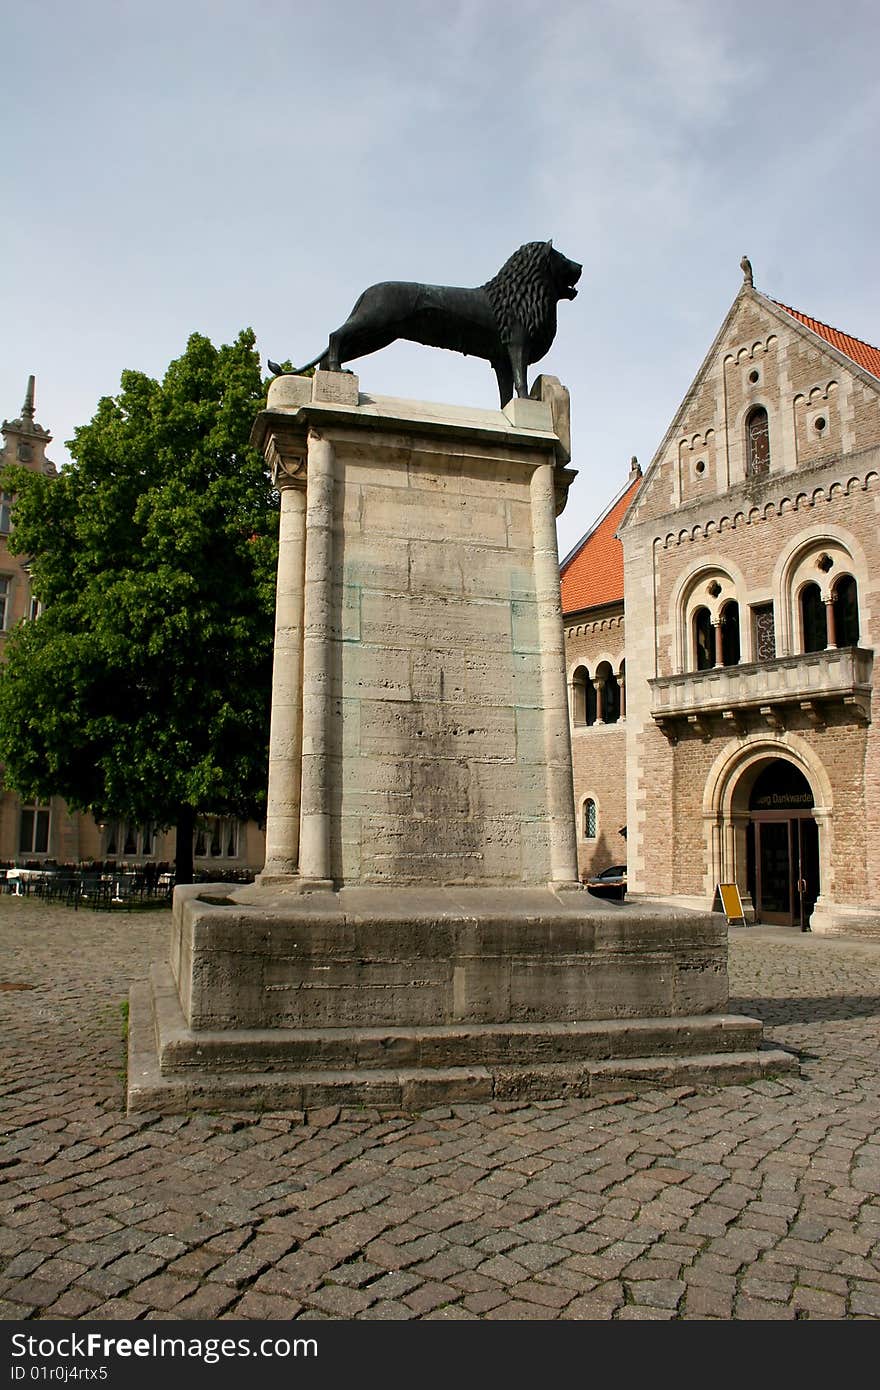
x: 22, y: 879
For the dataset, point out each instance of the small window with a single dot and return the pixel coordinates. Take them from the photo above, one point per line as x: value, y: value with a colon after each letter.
x: 704, y: 640
x: 589, y: 819
x: 216, y: 838
x: 757, y: 442
x: 579, y: 696
x: 583, y: 698
x: 846, y: 612
x: 730, y: 633
x: 765, y: 632
x: 131, y: 840
x: 609, y: 693
x: 5, y: 513
x: 33, y: 833
x: 814, y: 623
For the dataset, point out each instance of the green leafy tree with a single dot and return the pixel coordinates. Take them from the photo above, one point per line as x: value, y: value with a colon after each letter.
x: 143, y: 687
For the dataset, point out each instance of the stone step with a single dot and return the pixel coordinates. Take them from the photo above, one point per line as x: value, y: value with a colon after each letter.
x: 466, y: 1044
x: 409, y: 1088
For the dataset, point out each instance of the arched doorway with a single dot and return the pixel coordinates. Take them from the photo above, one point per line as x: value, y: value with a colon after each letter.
x: 782, y: 846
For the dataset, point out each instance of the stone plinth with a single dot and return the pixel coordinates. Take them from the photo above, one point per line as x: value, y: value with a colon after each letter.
x: 419, y: 720
x: 404, y: 998
x: 418, y: 931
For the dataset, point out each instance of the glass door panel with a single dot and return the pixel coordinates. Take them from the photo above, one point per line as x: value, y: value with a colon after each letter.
x: 774, y: 872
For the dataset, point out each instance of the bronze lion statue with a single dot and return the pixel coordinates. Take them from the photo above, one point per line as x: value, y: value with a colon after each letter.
x: 510, y: 321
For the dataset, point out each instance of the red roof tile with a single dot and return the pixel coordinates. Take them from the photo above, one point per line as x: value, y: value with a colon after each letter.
x: 861, y: 353
x: 593, y: 574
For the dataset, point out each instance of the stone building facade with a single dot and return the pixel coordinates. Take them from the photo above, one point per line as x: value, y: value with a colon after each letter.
x: 750, y: 563
x: 48, y: 832
x: 595, y: 655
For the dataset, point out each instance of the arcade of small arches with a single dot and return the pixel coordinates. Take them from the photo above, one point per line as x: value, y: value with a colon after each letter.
x: 816, y: 609
x: 598, y: 697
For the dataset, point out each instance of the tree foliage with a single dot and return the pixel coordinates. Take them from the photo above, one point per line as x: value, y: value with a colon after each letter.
x: 143, y: 687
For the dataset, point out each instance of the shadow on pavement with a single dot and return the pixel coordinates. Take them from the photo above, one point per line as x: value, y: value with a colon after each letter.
x: 808, y: 1009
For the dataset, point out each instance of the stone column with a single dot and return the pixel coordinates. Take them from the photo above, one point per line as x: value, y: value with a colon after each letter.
x: 557, y: 734
x: 830, y: 624
x: 314, y: 852
x: 599, y: 687
x: 285, y: 730
x: 719, y: 643
x: 621, y: 681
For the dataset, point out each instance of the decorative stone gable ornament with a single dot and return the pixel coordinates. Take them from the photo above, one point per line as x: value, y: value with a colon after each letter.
x: 745, y: 266
x: 510, y: 321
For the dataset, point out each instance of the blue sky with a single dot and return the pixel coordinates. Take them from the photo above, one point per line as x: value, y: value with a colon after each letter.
x: 210, y: 166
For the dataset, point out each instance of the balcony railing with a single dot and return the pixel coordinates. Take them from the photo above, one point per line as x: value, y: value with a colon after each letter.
x: 769, y: 691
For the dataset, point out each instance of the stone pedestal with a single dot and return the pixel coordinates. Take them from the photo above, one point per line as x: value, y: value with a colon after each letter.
x: 418, y: 932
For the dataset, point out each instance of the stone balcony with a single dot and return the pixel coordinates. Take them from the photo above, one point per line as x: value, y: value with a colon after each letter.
x: 766, y: 693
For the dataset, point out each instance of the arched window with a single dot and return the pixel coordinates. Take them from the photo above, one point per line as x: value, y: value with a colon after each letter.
x: 583, y: 698
x: 730, y: 633
x: 589, y: 819
x: 814, y: 625
x: 757, y: 441
x: 846, y: 612
x: 704, y: 640
x: 610, y: 693
x: 579, y: 696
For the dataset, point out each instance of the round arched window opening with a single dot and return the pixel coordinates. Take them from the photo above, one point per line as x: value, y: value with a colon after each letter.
x: 754, y: 377
x: 700, y: 466
x: 819, y: 423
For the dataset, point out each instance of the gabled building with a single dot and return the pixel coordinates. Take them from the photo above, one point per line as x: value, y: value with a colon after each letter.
x: 751, y: 562
x: 592, y: 602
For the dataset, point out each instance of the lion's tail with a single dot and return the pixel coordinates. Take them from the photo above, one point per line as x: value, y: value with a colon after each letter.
x: 276, y: 370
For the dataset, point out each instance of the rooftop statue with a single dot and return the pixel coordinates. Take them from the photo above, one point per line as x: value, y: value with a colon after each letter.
x: 510, y: 321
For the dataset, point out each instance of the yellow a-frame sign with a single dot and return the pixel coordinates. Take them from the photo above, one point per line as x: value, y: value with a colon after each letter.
x: 731, y: 902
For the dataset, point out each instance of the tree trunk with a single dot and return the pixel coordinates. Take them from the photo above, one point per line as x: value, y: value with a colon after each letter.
x: 183, y: 847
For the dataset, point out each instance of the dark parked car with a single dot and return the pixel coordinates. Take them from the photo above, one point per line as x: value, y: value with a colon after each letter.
x: 610, y: 883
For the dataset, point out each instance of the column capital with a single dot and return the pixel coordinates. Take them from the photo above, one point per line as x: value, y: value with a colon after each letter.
x: 288, y: 467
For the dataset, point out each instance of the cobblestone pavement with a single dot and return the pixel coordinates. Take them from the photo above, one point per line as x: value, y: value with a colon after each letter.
x: 745, y: 1202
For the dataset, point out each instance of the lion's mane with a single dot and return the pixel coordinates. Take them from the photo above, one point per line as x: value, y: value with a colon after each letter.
x: 522, y: 293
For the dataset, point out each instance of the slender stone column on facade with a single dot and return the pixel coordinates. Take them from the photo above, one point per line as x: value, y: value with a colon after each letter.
x: 314, y: 854
x: 285, y: 732
x: 621, y: 681
x: 599, y: 687
x: 719, y: 643
x: 557, y: 733
x: 830, y: 625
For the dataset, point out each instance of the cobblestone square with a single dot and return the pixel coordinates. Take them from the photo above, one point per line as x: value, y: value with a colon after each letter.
x: 745, y: 1202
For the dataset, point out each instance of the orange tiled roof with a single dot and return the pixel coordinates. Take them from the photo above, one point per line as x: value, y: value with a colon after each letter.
x: 862, y: 353
x: 593, y: 574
